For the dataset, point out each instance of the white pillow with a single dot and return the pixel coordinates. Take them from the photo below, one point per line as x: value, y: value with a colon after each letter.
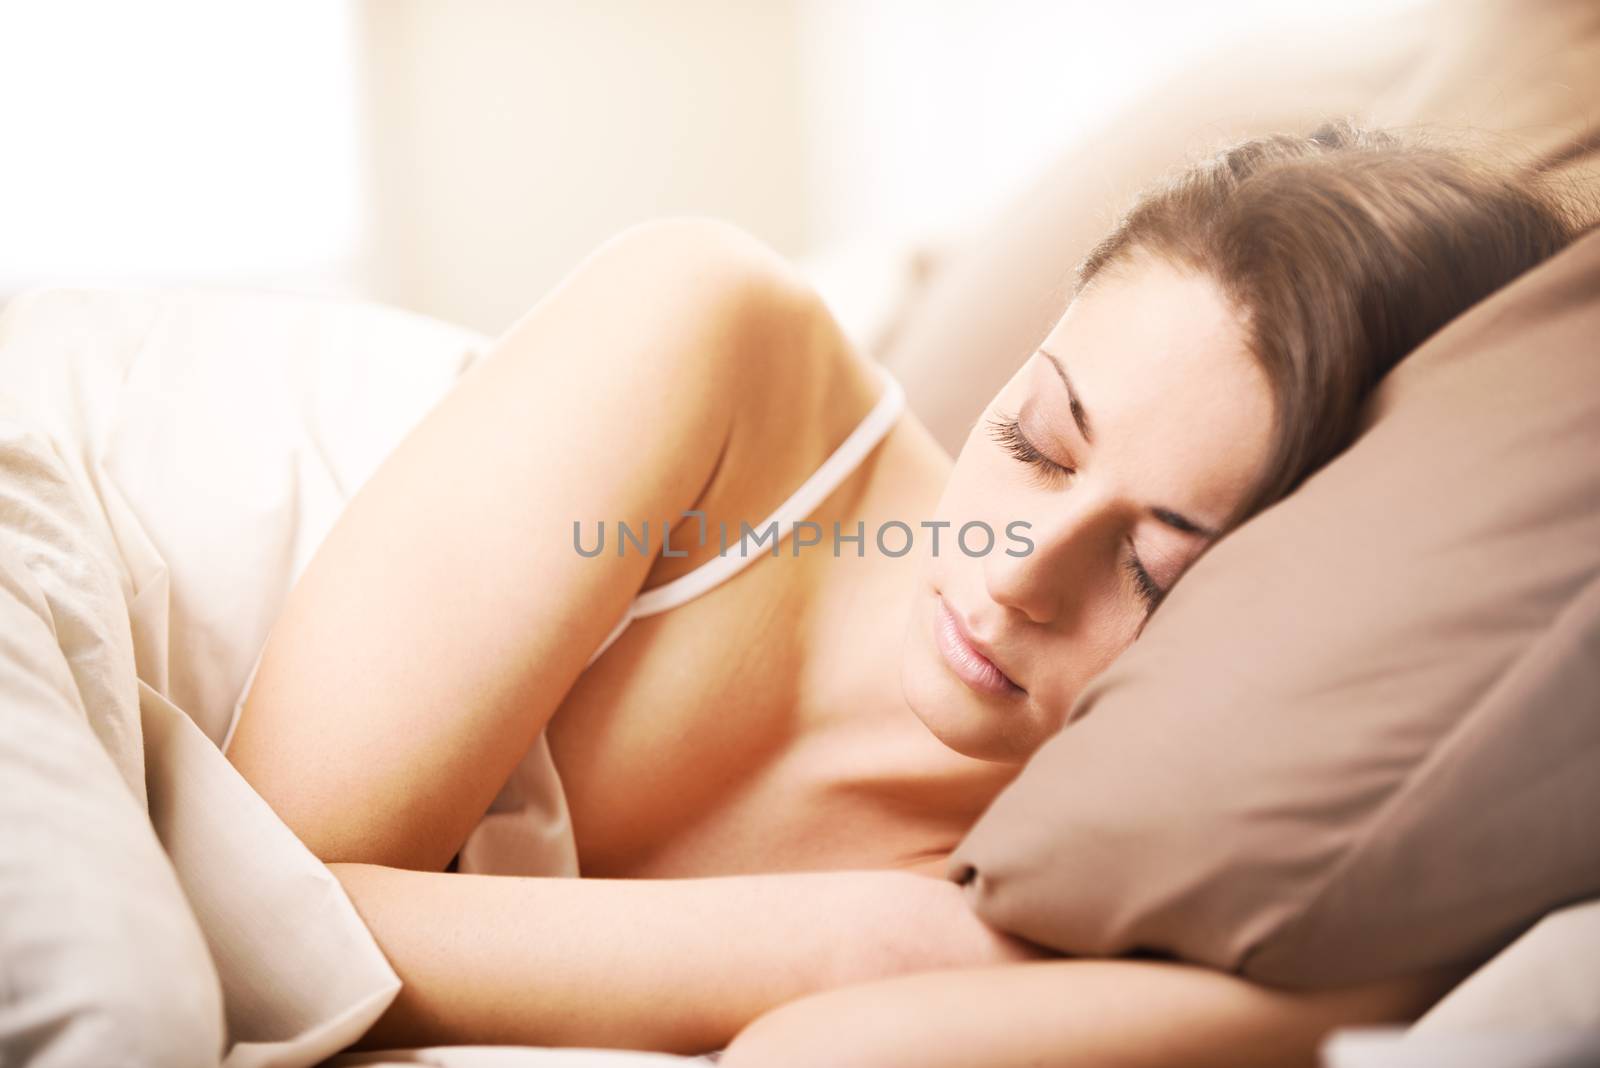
x: 1548, y: 979
x: 1536, y: 1004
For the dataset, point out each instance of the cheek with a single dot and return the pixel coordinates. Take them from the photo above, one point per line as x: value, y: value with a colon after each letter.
x: 1111, y: 626
x: 983, y: 483
x: 1100, y: 632
x: 981, y: 488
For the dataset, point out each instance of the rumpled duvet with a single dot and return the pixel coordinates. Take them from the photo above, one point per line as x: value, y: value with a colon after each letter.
x: 169, y: 461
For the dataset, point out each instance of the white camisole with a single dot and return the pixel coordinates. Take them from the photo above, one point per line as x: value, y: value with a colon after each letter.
x: 801, y: 503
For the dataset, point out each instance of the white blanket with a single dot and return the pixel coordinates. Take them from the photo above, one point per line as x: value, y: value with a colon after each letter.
x: 169, y: 461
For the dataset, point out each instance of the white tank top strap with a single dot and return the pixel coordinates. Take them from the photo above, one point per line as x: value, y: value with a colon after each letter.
x: 801, y: 503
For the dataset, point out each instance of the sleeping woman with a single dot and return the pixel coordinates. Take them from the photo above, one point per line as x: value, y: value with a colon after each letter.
x: 771, y: 739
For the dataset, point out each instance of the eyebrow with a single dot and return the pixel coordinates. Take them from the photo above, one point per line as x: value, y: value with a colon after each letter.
x: 1183, y: 523
x: 1080, y: 416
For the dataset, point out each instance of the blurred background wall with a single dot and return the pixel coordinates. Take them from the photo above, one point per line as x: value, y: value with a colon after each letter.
x: 459, y: 158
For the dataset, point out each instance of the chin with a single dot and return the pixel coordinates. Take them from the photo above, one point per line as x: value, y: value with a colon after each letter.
x: 962, y: 720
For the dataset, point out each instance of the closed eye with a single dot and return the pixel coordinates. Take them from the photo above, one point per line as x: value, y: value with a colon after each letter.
x: 1149, y: 592
x: 1007, y: 432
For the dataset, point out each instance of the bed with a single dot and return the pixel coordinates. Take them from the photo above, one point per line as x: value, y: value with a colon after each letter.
x: 170, y: 459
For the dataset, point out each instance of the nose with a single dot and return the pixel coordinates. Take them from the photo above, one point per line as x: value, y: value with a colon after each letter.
x: 1071, y: 547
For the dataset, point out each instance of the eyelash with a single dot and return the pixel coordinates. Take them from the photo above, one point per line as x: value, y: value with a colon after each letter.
x: 1007, y: 432
x: 1149, y: 592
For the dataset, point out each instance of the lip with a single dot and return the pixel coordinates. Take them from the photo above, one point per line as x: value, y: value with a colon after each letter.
x: 969, y: 660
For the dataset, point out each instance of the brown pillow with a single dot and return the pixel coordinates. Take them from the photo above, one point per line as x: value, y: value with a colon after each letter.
x: 1362, y: 736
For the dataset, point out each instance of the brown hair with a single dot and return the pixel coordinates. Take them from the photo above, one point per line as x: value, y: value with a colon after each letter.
x: 1343, y: 250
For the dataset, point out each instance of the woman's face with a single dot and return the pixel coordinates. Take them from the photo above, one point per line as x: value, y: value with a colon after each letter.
x: 1165, y: 426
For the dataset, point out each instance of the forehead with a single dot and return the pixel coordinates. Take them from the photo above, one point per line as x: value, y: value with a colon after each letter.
x: 1175, y: 398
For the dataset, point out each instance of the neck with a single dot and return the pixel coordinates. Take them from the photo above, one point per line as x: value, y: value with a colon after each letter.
x: 868, y: 738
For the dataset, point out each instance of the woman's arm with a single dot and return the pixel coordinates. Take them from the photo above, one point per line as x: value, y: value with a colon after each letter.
x: 677, y: 965
x: 446, y: 615
x: 1065, y: 1013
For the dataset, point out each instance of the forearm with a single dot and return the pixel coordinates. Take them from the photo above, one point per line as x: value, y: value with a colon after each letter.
x: 1100, y: 1013
x: 679, y: 965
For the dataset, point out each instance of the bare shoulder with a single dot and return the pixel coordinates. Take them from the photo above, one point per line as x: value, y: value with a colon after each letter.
x: 788, y: 350
x: 699, y: 244
x: 794, y: 384
x: 791, y: 363
x: 688, y: 255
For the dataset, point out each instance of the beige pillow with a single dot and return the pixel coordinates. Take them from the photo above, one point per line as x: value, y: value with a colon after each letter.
x: 1360, y: 738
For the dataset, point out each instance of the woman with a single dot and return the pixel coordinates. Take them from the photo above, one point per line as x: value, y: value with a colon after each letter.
x: 757, y: 777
